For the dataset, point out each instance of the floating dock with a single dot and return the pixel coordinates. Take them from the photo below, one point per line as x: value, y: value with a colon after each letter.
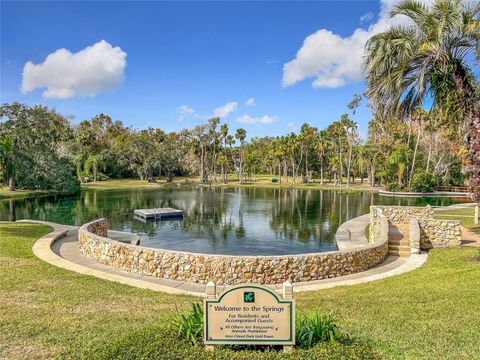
x: 159, y: 213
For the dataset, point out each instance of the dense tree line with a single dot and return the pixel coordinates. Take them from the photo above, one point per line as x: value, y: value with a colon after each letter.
x: 42, y: 149
x: 406, y: 147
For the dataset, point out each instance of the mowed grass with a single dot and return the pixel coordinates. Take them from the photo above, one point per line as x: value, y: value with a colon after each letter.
x: 192, y: 181
x: 46, y: 312
x: 7, y: 194
x: 465, y: 216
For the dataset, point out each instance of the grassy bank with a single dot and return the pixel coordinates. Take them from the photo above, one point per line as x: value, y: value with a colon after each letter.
x: 48, y: 312
x: 192, y: 181
x: 7, y: 194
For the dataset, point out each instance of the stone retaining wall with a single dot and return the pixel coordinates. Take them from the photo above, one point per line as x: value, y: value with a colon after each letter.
x: 440, y: 233
x: 225, y: 269
x: 402, y: 214
x: 433, y: 232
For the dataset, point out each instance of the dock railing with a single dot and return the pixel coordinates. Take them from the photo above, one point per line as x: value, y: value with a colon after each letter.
x: 462, y: 189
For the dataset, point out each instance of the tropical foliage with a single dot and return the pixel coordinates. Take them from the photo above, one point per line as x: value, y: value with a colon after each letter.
x: 428, y: 61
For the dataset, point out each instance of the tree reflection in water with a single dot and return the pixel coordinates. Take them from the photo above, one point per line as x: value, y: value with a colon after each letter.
x: 247, y: 221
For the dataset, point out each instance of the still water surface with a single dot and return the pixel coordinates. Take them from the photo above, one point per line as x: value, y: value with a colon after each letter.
x: 245, y: 221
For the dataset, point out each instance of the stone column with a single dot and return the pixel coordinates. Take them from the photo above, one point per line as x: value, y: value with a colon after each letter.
x: 414, y: 228
x: 211, y: 293
x: 288, y: 295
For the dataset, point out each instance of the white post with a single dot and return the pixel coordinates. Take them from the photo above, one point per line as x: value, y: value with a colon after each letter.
x: 211, y: 293
x: 476, y: 219
x: 288, y: 295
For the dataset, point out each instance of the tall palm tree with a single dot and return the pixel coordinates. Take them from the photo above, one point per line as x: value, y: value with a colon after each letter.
x: 212, y: 131
x: 223, y: 136
x: 425, y: 60
x: 428, y: 60
x: 241, y: 134
x: 321, y: 146
x: 350, y: 128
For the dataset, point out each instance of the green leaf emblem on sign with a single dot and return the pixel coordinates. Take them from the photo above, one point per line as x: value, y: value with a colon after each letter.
x: 249, y: 296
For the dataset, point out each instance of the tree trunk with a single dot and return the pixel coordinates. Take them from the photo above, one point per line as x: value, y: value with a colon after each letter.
x: 414, y: 157
x: 430, y: 144
x: 341, y: 165
x: 202, y: 165
x: 321, y: 170
x: 11, y: 184
x: 349, y: 164
x: 372, y: 175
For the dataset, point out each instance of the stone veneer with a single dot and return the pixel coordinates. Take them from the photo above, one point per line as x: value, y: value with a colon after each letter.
x: 226, y: 269
x: 433, y: 232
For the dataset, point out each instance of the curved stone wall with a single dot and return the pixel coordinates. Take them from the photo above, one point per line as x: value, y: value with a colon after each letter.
x: 225, y: 269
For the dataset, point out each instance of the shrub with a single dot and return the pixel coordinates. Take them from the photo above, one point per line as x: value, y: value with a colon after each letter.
x: 423, y: 181
x: 393, y: 186
x: 189, y: 325
x: 310, y: 329
x: 314, y: 328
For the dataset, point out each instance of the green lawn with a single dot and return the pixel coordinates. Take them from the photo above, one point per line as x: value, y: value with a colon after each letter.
x: 259, y: 181
x: 47, y: 312
x: 7, y: 194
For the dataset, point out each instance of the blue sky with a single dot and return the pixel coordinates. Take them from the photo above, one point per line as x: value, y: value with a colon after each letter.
x: 199, y: 55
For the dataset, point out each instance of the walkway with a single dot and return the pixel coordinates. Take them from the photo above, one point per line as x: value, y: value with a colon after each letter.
x: 60, y: 248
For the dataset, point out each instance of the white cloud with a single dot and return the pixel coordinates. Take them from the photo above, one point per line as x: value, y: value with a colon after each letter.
x: 225, y: 110
x: 250, y: 102
x: 185, y: 112
x: 334, y: 60
x: 95, y: 69
x: 248, y: 119
x: 366, y: 17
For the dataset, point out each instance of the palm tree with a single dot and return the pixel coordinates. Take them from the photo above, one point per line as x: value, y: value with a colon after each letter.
x: 223, y: 137
x: 350, y: 128
x: 408, y: 64
x: 241, y: 134
x: 212, y: 131
x: 92, y: 163
x: 321, y: 145
x: 428, y: 61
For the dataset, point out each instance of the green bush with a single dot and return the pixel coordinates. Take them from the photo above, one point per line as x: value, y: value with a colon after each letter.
x: 423, y: 182
x: 393, y: 186
x: 310, y: 329
x: 315, y: 328
x: 189, y: 325
x: 275, y: 180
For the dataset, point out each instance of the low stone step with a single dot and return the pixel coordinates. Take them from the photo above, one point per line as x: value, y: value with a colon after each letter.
x: 399, y: 247
x: 398, y: 242
x: 401, y: 253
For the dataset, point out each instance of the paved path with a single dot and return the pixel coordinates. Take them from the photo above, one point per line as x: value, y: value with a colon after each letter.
x: 60, y: 248
x: 357, y: 237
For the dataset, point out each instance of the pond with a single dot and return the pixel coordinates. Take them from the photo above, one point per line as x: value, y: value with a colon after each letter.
x: 231, y: 221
